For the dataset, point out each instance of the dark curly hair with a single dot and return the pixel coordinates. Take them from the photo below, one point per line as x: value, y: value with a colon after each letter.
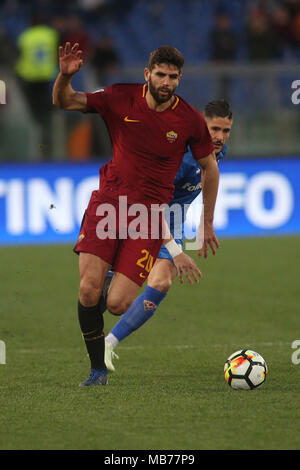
x: 166, y: 55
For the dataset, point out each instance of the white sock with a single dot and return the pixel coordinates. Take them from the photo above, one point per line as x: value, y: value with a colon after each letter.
x: 110, y: 338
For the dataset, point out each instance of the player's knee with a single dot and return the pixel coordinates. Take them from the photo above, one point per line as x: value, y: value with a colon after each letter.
x: 161, y: 284
x: 88, y: 294
x: 117, y: 306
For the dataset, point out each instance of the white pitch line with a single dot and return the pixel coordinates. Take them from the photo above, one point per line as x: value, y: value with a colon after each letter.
x: 165, y: 346
x: 220, y: 345
x: 176, y: 346
x: 251, y: 345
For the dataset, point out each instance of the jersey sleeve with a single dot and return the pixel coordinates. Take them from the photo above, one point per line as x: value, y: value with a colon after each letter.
x: 98, y: 102
x: 201, y: 144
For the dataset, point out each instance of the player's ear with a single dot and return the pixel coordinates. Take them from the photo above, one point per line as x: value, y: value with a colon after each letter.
x: 146, y: 74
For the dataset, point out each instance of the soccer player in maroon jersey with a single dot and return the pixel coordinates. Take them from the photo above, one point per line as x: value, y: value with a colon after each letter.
x: 150, y: 128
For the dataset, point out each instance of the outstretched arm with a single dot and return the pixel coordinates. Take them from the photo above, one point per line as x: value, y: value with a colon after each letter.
x: 63, y: 95
x: 210, y: 185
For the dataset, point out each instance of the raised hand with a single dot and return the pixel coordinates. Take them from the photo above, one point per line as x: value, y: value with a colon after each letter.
x: 70, y: 59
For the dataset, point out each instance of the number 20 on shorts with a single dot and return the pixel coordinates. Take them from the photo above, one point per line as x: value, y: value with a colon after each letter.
x: 146, y: 261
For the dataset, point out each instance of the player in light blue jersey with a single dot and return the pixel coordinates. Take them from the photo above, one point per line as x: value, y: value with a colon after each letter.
x: 188, y: 185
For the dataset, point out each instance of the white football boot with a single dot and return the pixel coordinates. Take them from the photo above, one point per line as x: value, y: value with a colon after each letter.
x: 109, y: 356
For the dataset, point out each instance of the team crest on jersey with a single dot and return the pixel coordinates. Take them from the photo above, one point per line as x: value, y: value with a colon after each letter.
x: 148, y: 305
x: 81, y: 237
x: 171, y: 136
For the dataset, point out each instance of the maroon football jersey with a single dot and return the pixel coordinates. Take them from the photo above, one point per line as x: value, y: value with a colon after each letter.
x: 148, y: 146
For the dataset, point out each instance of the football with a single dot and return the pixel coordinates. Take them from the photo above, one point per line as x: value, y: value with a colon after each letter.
x: 245, y: 370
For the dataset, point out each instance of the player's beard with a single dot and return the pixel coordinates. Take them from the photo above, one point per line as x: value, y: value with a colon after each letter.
x: 155, y: 93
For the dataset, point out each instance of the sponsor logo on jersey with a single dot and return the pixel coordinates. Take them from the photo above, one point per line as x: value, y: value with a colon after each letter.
x: 126, y: 119
x: 192, y: 187
x: 171, y: 136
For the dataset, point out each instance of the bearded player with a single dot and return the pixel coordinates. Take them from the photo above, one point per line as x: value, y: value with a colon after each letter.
x: 150, y: 129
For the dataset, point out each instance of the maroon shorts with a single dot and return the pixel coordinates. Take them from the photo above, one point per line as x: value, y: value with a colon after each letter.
x: 129, y: 243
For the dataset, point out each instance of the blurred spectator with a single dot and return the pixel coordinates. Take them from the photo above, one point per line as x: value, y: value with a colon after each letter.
x: 281, y: 24
x: 8, y: 52
x: 262, y: 43
x: 293, y: 7
x: 295, y: 26
x: 36, y: 67
x: 75, y: 32
x: 155, y: 10
x: 224, y: 48
x: 58, y: 22
x: 223, y: 39
x: 105, y: 60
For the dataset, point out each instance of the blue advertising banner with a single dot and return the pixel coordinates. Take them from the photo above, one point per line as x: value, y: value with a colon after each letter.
x: 256, y: 197
x: 44, y: 203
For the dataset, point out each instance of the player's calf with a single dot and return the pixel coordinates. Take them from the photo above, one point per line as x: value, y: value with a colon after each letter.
x: 121, y: 294
x: 162, y: 275
x: 141, y: 310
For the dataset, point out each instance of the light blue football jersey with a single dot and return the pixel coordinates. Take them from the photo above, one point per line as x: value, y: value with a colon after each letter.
x: 188, y: 179
x: 187, y: 187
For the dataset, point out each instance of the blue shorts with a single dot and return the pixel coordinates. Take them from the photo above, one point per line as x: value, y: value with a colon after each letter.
x: 164, y: 254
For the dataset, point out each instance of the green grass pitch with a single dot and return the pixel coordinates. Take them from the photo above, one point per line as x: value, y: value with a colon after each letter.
x: 168, y: 391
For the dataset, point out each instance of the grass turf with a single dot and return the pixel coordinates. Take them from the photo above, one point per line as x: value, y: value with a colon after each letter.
x: 168, y: 391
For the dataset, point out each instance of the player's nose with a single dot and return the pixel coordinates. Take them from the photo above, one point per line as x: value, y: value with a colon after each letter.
x: 219, y: 136
x: 166, y: 81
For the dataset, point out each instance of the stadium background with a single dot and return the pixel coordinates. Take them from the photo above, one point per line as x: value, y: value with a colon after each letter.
x: 245, y: 51
x: 169, y: 391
